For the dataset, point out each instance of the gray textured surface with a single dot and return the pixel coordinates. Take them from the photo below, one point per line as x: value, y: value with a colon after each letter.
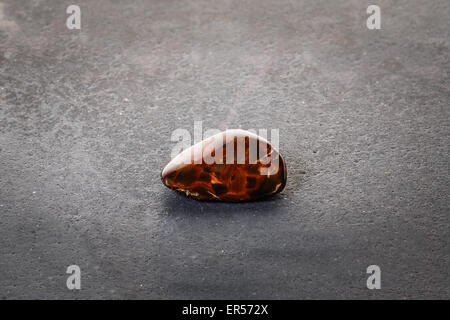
x: 85, y: 124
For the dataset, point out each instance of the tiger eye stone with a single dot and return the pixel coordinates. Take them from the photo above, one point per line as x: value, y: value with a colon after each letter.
x: 234, y: 165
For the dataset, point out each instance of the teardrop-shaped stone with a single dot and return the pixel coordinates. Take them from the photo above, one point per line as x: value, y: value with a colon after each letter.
x: 234, y: 165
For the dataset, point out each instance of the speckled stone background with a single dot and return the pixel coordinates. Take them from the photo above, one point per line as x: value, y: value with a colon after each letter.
x: 86, y: 118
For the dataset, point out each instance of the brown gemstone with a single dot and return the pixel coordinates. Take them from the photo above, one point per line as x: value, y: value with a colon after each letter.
x: 234, y: 165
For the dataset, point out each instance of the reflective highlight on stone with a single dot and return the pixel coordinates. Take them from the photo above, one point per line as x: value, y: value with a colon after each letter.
x: 234, y: 165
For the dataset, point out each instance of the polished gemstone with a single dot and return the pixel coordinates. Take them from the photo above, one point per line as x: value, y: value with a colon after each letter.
x: 234, y: 165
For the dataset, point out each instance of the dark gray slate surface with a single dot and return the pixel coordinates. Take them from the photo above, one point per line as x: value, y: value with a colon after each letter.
x: 85, y: 124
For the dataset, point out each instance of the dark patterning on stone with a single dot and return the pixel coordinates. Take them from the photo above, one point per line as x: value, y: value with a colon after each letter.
x: 253, y: 170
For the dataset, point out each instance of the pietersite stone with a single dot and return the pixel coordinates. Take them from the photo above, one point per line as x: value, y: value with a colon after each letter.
x: 234, y: 165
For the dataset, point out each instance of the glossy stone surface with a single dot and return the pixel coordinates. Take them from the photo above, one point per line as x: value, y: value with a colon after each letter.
x: 234, y: 165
